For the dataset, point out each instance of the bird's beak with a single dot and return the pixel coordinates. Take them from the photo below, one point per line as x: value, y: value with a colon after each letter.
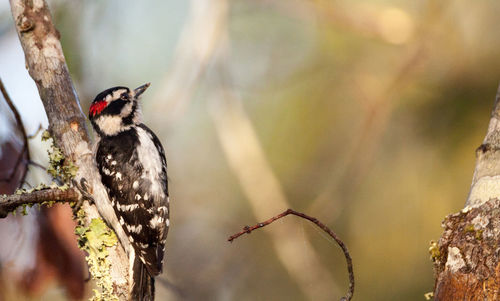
x: 141, y: 89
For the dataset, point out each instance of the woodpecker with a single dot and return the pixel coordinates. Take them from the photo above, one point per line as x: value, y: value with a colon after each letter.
x: 133, y: 168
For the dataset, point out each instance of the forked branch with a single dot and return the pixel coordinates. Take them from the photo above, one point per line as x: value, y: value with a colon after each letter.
x: 248, y: 230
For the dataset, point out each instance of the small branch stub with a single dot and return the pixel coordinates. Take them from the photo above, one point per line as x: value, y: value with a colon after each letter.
x: 24, y: 24
x: 248, y: 230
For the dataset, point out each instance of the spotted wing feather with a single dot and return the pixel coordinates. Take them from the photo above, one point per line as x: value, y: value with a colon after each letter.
x: 142, y: 214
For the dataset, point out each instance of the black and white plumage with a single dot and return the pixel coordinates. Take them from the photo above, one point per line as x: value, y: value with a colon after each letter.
x: 132, y: 164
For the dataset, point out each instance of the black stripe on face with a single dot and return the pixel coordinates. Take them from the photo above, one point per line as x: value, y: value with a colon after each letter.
x: 114, y: 107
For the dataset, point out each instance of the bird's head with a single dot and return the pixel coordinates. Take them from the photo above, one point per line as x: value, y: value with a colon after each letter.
x: 116, y: 109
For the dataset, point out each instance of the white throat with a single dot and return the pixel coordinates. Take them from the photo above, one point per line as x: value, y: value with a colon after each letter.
x: 111, y: 125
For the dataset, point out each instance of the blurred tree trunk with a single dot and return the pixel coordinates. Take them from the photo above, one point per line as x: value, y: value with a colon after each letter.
x: 466, y: 258
x: 38, y: 249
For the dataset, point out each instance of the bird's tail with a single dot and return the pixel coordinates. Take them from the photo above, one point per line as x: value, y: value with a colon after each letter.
x: 143, y: 285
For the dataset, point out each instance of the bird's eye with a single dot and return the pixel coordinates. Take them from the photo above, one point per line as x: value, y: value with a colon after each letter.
x: 124, y: 96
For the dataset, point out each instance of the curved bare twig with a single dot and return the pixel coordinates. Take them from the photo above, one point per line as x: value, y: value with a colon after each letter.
x: 318, y: 223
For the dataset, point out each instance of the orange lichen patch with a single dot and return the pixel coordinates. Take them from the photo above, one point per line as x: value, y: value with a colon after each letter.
x: 74, y: 126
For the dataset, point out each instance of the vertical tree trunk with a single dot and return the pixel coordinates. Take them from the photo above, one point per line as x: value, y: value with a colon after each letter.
x: 47, y: 66
x: 466, y: 258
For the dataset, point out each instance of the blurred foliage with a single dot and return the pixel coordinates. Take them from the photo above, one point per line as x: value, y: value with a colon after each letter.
x: 369, y: 113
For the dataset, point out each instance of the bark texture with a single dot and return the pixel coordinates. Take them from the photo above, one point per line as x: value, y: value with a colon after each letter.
x: 47, y: 66
x: 467, y: 266
x: 9, y: 203
x: 466, y: 258
x: 486, y: 180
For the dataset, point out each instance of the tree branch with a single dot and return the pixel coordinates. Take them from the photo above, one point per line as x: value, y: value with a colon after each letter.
x: 47, y: 66
x: 318, y: 223
x: 9, y: 203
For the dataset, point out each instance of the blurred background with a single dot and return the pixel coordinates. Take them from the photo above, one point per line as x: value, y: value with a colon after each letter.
x: 364, y: 114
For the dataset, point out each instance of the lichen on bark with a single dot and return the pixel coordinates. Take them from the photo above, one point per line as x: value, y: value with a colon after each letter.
x: 60, y: 167
x: 467, y: 267
x: 95, y: 239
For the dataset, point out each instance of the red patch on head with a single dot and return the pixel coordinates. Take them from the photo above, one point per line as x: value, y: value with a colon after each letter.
x: 97, y: 107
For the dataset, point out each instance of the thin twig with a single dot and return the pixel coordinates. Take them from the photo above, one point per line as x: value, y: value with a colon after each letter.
x: 8, y: 203
x: 38, y: 130
x: 20, y: 125
x: 28, y: 184
x: 322, y: 226
x: 36, y: 164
